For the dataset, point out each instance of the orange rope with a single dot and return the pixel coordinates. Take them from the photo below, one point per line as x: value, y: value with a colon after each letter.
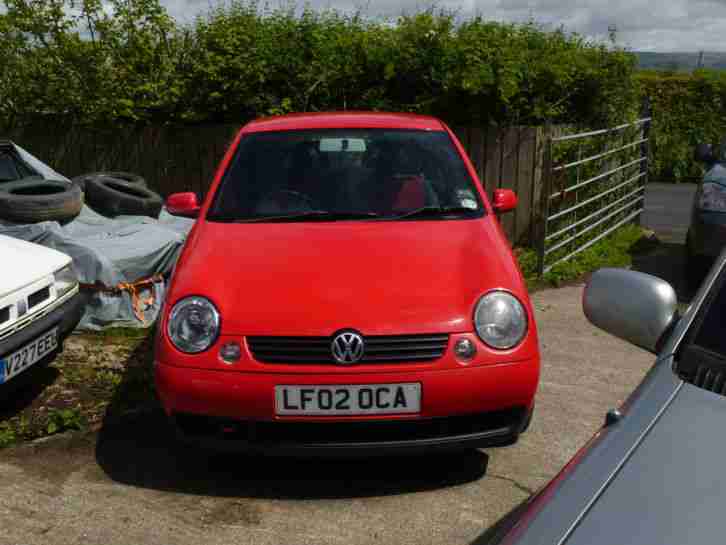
x: 137, y: 302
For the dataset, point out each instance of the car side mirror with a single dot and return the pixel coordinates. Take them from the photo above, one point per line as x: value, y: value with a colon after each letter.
x: 633, y: 306
x: 704, y: 153
x: 505, y: 200
x: 183, y: 204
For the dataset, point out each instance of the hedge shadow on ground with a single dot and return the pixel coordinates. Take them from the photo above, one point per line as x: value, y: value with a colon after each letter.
x: 137, y: 446
x: 27, y: 392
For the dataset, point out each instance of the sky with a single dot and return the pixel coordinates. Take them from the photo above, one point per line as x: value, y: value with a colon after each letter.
x: 642, y: 25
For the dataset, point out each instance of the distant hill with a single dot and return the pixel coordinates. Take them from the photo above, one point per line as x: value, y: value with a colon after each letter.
x: 679, y: 62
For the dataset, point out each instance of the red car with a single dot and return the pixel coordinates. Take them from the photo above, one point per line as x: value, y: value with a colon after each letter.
x: 347, y: 288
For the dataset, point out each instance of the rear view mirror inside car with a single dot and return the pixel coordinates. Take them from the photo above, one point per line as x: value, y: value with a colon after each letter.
x: 333, y: 145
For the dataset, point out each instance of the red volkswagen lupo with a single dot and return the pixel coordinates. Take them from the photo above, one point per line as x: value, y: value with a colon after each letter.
x: 347, y: 288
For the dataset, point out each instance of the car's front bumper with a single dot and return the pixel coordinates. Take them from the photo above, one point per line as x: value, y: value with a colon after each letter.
x: 356, y: 438
x: 707, y: 234
x: 65, y: 317
x: 461, y: 408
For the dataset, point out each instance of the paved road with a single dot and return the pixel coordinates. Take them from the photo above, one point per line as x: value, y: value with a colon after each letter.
x: 668, y: 210
x: 126, y: 486
x: 668, y: 213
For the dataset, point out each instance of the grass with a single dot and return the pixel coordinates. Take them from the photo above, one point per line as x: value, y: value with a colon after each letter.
x: 616, y: 250
x: 98, y: 376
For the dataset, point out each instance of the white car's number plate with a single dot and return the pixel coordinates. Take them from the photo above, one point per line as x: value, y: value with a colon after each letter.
x: 20, y: 360
x: 328, y: 400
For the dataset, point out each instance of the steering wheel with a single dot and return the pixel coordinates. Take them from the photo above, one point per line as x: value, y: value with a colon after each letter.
x: 292, y: 199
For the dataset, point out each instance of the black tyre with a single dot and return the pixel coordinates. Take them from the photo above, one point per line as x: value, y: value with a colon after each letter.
x: 33, y: 200
x: 113, y: 197
x: 527, y: 421
x: 123, y: 176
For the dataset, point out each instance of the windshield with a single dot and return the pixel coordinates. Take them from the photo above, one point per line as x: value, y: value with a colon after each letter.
x: 8, y: 167
x: 704, y: 349
x: 710, y: 325
x: 11, y: 167
x: 328, y: 175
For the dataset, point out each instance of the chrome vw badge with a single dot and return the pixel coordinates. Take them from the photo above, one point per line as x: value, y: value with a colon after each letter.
x: 347, y: 347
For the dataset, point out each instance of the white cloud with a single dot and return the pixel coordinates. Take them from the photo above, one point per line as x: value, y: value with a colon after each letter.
x: 646, y: 25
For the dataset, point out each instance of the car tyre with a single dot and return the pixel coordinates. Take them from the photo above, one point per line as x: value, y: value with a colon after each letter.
x: 35, y: 200
x: 113, y: 197
x: 527, y: 421
x: 128, y: 177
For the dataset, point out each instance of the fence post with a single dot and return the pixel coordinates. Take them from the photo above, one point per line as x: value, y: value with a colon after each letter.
x: 645, y: 148
x: 545, y: 198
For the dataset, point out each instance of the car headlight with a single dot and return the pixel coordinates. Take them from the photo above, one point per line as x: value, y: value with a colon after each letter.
x: 193, y: 324
x: 712, y: 197
x: 500, y: 320
x: 65, y: 280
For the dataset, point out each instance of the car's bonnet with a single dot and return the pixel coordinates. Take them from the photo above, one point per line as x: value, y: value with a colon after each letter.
x: 380, y: 278
x: 25, y: 263
x: 551, y: 517
x: 672, y: 490
x: 655, y: 476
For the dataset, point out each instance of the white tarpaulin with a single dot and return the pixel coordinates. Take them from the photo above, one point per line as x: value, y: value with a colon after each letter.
x: 111, y: 252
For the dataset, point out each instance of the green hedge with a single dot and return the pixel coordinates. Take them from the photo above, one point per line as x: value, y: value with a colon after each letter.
x: 133, y: 63
x: 688, y: 109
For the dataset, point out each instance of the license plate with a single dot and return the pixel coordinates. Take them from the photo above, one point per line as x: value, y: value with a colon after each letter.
x: 23, y: 358
x: 354, y: 399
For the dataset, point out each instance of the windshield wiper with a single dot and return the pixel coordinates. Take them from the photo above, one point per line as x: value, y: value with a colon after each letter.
x: 309, y: 215
x: 433, y: 212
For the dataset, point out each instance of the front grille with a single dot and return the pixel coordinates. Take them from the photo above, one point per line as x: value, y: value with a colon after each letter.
x: 4, y: 315
x: 378, y: 349
x: 27, y: 320
x: 34, y: 299
x: 504, y: 422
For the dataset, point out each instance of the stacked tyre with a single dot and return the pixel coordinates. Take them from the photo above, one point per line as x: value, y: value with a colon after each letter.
x: 128, y: 177
x: 119, y: 194
x: 32, y: 200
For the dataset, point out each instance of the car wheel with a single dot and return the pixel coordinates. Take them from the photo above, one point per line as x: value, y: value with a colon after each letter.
x: 527, y: 421
x: 113, y: 197
x: 34, y: 200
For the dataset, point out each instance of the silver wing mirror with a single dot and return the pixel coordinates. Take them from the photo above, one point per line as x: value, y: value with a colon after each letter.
x: 633, y: 306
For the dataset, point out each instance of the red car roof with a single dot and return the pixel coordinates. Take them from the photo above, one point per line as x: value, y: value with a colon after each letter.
x: 344, y: 120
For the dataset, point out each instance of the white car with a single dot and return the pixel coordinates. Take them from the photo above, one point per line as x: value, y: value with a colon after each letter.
x: 40, y: 305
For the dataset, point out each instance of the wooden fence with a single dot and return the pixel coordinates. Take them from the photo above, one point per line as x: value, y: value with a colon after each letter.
x: 510, y: 158
x: 184, y: 159
x: 170, y: 158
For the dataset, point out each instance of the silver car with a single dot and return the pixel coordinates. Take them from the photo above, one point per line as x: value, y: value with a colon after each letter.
x: 654, y: 473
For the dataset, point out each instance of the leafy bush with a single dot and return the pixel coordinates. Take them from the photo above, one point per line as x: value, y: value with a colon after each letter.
x: 688, y: 109
x: 64, y: 419
x: 119, y: 61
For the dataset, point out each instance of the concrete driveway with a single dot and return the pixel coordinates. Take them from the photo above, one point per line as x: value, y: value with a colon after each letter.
x: 126, y: 485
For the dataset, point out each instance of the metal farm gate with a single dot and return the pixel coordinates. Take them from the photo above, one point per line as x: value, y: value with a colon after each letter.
x: 593, y: 183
